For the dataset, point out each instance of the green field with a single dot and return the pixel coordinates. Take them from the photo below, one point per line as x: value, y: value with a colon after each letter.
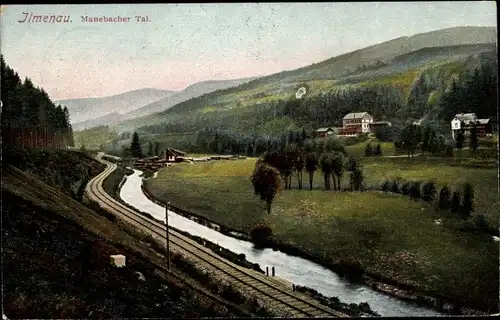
x: 389, y: 234
x: 358, y: 149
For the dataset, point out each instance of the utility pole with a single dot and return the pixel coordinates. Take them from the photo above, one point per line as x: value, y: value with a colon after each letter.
x: 166, y: 231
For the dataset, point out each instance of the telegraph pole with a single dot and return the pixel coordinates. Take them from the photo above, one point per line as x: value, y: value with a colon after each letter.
x: 166, y: 231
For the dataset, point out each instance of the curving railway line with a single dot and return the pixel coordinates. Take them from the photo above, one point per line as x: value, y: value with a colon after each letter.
x: 276, y: 295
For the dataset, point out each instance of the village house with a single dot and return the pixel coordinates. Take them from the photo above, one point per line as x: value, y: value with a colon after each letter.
x: 326, y: 132
x: 353, y: 124
x: 356, y: 123
x: 465, y: 121
x: 165, y: 158
x: 171, y: 155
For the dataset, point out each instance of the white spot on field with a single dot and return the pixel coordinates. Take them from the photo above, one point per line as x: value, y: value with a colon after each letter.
x: 438, y: 221
x: 300, y: 92
x: 495, y: 238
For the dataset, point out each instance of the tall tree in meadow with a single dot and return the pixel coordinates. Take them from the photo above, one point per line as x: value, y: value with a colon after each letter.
x: 337, y: 169
x: 356, y: 177
x: 455, y: 202
x: 311, y: 167
x: 299, y: 167
x: 467, y: 202
x: 266, y: 181
x: 473, y: 138
x: 444, y: 198
x: 135, y: 146
x: 326, y: 168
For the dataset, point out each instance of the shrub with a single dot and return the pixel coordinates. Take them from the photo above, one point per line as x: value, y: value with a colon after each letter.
x: 455, y: 202
x: 405, y: 188
x: 261, y: 234
x: 369, y: 150
x: 444, y: 198
x: 415, y: 190
x: 350, y: 268
x: 429, y: 191
x: 468, y: 201
x: 385, y: 186
x: 378, y: 150
x: 395, y: 186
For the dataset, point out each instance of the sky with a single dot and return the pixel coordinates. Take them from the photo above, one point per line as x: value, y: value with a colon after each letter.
x: 181, y: 44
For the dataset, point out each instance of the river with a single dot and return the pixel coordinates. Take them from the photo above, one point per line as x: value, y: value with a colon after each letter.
x: 293, y: 269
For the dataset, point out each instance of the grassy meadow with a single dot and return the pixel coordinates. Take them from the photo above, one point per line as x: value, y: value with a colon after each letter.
x: 388, y: 233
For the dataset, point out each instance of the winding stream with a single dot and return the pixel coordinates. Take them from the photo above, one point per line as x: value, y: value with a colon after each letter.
x: 293, y: 269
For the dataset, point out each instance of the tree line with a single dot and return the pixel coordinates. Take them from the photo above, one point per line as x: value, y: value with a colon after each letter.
x: 277, y: 168
x: 28, y: 112
x: 425, y: 138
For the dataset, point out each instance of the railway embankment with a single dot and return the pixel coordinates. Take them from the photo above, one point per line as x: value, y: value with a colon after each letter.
x: 57, y: 253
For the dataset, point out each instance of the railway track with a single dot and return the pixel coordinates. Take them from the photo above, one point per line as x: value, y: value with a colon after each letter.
x: 294, y: 303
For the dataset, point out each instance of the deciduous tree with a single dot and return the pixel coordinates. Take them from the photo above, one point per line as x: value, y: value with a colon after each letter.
x: 266, y: 181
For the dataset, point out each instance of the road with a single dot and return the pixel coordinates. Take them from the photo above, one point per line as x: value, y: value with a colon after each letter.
x: 269, y: 289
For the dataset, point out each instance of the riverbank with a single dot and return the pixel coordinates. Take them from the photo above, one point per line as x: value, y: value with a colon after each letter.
x: 352, y: 309
x: 353, y: 272
x: 420, y: 261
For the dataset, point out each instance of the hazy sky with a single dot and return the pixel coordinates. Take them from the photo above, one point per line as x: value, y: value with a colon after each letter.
x: 186, y: 43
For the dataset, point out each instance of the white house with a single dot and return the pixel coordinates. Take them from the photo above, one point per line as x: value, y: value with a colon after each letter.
x: 464, y: 122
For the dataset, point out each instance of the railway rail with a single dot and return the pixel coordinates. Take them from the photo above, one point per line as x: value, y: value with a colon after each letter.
x: 294, y: 303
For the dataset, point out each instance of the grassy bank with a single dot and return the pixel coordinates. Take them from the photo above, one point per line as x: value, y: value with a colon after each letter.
x: 60, y: 269
x: 388, y: 234
x: 112, y: 183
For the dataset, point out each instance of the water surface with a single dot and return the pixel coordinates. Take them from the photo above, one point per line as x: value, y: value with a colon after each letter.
x: 294, y: 269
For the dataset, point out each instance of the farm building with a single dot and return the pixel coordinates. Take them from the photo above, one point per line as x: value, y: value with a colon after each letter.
x: 326, y: 132
x: 171, y: 155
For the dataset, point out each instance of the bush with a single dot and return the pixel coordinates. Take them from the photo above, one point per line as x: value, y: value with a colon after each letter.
x: 385, y: 186
x: 350, y: 268
x: 444, y: 198
x: 455, y: 202
x: 405, y: 188
x: 485, y: 153
x: 468, y: 201
x: 414, y: 190
x: 429, y: 191
x: 261, y: 234
x: 378, y: 150
x: 395, y: 186
x: 369, y: 150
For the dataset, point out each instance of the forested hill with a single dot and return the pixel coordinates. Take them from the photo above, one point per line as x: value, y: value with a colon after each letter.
x: 27, y: 111
x: 404, y: 79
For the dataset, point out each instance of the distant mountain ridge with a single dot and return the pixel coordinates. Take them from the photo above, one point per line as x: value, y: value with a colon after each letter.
x: 398, y: 62
x: 192, y: 91
x: 90, y: 108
